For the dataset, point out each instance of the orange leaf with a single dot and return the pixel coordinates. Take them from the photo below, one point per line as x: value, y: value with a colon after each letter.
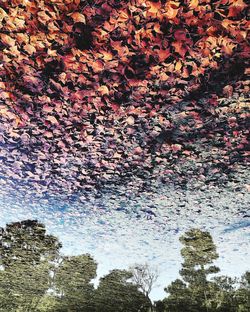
x: 193, y: 4
x: 103, y: 90
x: 3, y: 14
x: 163, y: 54
x: 179, y: 48
x: 154, y: 7
x: 157, y: 28
x: 78, y: 17
x: 97, y: 66
x: 107, y: 56
x: 123, y: 16
x: 170, y: 12
x: 228, y: 48
x: 178, y: 65
x: 7, y: 40
x: 43, y: 17
x: 29, y: 49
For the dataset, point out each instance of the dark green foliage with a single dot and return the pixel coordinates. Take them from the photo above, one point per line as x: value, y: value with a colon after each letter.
x: 243, y: 293
x: 27, y: 254
x: 117, y: 294
x: 199, y: 252
x: 73, y: 283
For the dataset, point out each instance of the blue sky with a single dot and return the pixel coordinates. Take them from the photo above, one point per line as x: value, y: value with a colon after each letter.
x: 119, y: 233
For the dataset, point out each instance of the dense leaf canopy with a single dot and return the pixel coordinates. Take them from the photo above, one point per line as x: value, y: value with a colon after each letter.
x: 93, y: 92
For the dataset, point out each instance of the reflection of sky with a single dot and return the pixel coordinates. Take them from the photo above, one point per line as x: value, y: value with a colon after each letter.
x: 119, y: 232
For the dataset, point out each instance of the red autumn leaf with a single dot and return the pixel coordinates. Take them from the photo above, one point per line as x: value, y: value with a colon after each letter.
x: 236, y: 7
x: 163, y: 54
x: 180, y: 48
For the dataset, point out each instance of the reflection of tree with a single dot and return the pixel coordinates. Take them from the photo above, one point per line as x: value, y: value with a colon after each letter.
x: 144, y: 277
x: 199, y: 252
x: 26, y: 256
x: 34, y: 277
x: 73, y: 283
x: 117, y: 294
x: 243, y: 293
x: 196, y: 292
x: 193, y: 293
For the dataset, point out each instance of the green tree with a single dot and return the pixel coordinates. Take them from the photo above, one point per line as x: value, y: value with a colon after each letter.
x: 49, y: 303
x: 72, y: 282
x: 27, y: 254
x: 243, y: 293
x: 159, y: 306
x: 199, y: 252
x: 222, y: 294
x: 193, y: 293
x: 116, y: 293
x: 179, y: 298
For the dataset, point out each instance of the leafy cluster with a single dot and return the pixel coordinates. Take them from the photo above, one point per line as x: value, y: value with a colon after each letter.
x: 97, y: 91
x: 34, y: 276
